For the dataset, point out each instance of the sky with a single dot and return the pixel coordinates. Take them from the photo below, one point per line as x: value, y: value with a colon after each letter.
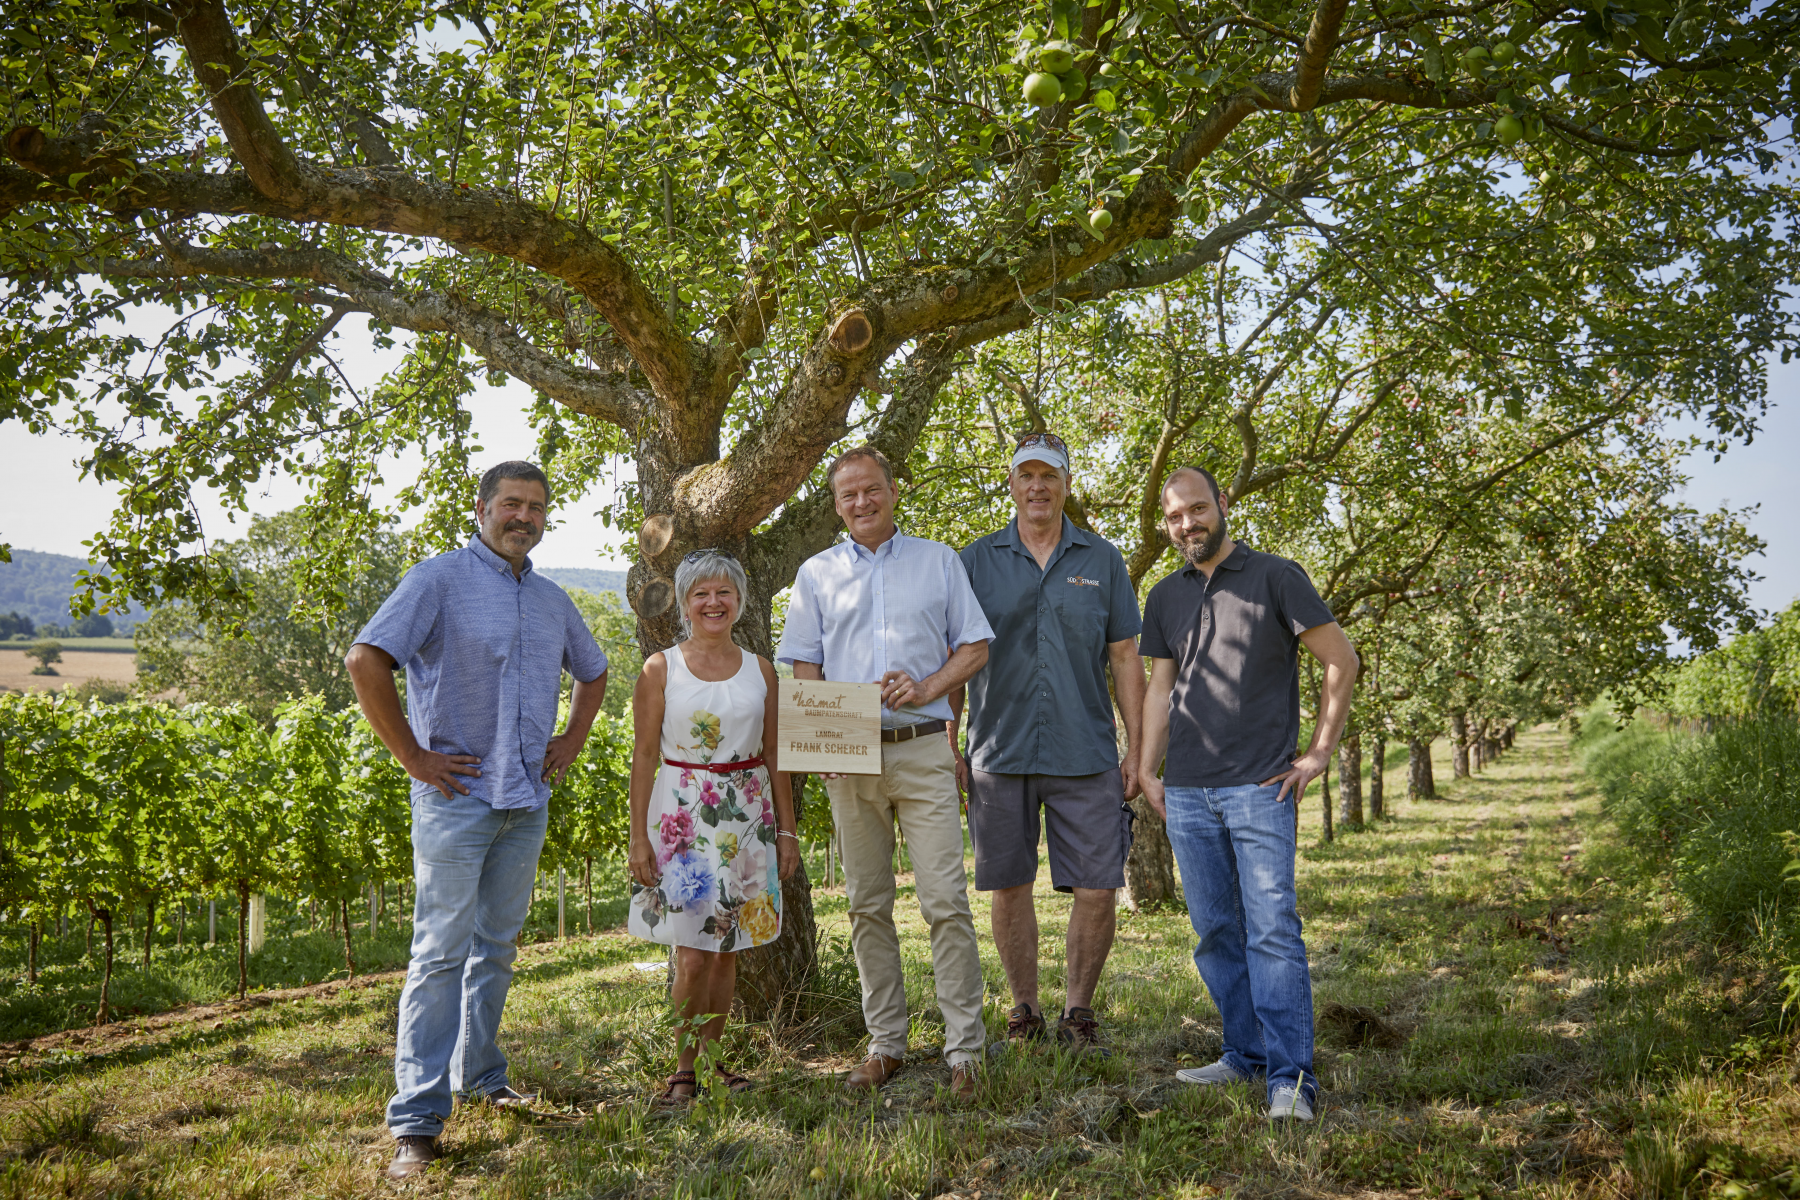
x: 45, y: 504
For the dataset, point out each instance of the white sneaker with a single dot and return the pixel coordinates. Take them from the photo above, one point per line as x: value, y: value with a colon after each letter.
x: 1287, y: 1102
x: 1217, y: 1073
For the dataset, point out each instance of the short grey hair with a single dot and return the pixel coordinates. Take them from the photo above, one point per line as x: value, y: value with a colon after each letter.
x: 695, y: 571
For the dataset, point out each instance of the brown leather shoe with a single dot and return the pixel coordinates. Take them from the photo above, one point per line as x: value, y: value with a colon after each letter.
x: 873, y: 1071
x: 1079, y: 1030
x: 1023, y: 1025
x: 412, y: 1155
x: 962, y: 1081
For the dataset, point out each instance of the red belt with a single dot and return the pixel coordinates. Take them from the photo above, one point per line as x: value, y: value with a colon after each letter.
x: 742, y: 764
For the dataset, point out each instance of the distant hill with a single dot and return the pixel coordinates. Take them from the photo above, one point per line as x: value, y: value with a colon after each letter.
x: 39, y: 585
x: 585, y: 578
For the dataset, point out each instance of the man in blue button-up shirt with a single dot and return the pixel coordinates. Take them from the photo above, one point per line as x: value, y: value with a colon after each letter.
x: 1042, y: 736
x: 484, y: 640
x: 896, y: 610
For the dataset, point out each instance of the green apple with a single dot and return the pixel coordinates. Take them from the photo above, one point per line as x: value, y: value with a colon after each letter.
x: 1110, y: 70
x: 1042, y: 88
x: 1509, y: 129
x: 1100, y: 219
x: 1504, y: 53
x: 1475, y: 58
x: 1056, y: 57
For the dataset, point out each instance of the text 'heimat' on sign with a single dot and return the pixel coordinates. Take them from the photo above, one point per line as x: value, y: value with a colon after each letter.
x: 828, y: 726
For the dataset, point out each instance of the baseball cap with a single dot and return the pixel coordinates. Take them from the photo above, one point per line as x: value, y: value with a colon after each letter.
x: 1042, y: 447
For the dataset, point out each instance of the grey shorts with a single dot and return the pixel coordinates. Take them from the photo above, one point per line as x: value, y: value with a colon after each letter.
x: 1089, y: 828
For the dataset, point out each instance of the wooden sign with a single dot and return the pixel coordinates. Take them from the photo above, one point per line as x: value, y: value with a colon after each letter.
x: 829, y: 727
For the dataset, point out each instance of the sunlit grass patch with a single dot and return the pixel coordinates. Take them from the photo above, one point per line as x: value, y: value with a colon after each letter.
x: 1631, y: 1057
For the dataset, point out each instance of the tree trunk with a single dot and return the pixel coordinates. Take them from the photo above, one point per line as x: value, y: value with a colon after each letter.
x: 1377, y: 785
x: 1350, y: 800
x: 149, y: 930
x: 1506, y: 738
x: 344, y: 913
x: 770, y: 977
x: 105, y: 917
x: 1419, y: 783
x: 243, y: 938
x: 181, y: 926
x: 1459, y: 743
x: 31, y: 962
x: 1150, y: 867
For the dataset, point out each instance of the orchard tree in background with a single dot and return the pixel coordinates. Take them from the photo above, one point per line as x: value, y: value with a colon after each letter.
x: 719, y: 240
x: 278, y: 636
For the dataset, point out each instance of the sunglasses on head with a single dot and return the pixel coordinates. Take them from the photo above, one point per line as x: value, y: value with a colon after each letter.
x: 1027, y: 440
x: 693, y: 556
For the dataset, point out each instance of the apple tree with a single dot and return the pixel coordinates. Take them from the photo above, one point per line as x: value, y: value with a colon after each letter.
x: 718, y: 241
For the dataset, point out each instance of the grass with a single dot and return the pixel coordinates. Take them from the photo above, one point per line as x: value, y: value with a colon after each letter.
x: 1560, y: 1034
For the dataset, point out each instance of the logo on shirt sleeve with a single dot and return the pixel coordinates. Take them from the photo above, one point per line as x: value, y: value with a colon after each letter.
x: 1079, y: 581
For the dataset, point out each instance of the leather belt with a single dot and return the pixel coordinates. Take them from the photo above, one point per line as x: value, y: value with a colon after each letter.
x: 724, y: 768
x: 907, y: 733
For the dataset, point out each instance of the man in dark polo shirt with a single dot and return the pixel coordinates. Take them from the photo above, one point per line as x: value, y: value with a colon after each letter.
x: 1041, y: 734
x: 1223, y: 635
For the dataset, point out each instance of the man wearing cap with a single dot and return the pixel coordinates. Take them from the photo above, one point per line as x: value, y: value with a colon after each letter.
x: 886, y: 608
x: 1042, y: 735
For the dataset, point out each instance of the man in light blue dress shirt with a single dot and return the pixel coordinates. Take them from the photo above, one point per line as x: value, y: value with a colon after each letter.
x: 896, y: 610
x: 484, y: 641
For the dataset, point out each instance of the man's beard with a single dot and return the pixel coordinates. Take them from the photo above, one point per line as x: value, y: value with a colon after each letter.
x: 1197, y: 552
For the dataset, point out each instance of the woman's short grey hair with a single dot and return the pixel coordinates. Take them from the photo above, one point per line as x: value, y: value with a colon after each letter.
x: 693, y: 572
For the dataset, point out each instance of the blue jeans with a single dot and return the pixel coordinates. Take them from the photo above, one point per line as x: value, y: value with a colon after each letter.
x: 473, y: 866
x: 1235, y: 848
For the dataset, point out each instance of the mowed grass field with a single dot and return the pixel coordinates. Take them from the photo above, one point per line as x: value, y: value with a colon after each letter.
x: 75, y: 669
x: 1545, y: 1029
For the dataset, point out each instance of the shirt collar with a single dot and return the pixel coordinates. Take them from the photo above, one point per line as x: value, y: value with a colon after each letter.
x: 1071, y: 535
x: 1240, y: 555
x: 856, y: 549
x: 489, y: 558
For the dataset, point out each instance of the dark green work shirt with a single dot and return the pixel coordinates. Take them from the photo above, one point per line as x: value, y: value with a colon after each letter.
x: 1040, y: 706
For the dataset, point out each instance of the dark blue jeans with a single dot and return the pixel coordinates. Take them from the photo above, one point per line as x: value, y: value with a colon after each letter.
x: 1235, y: 848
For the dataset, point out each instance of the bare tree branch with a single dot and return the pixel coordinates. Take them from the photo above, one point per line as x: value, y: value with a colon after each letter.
x: 609, y: 397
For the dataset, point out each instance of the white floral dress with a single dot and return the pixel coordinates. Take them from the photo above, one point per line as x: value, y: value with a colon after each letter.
x: 713, y: 832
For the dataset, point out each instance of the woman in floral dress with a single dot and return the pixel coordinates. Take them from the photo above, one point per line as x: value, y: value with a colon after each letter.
x: 712, y: 819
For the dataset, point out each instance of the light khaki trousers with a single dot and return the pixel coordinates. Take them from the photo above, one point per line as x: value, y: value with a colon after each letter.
x: 917, y: 788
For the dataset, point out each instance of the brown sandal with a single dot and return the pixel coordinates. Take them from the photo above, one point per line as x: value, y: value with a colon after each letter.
x: 670, y: 1098
x: 734, y: 1083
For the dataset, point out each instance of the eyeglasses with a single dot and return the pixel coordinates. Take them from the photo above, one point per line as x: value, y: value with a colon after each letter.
x: 1027, y: 440
x: 694, y: 556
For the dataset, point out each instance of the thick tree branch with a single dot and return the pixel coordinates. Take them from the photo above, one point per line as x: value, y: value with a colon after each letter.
x: 809, y: 524
x: 1315, y: 53
x: 385, y: 200
x: 212, y: 50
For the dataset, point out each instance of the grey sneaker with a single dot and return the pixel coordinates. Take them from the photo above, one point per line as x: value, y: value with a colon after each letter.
x: 1217, y: 1073
x: 1286, y: 1102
